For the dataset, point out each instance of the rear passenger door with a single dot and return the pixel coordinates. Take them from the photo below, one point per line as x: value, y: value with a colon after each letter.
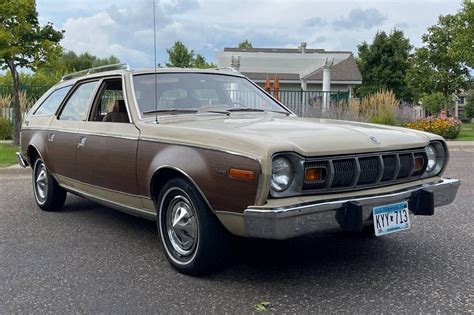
x: 63, y: 138
x: 106, y: 155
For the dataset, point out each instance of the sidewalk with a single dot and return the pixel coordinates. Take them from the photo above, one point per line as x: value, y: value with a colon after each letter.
x: 460, y: 145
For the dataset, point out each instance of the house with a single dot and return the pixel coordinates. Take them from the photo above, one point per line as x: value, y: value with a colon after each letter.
x: 459, y: 101
x: 297, y: 69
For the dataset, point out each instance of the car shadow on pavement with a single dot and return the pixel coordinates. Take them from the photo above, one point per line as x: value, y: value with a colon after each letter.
x: 334, y: 251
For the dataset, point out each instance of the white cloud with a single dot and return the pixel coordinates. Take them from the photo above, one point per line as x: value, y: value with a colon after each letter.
x: 125, y: 29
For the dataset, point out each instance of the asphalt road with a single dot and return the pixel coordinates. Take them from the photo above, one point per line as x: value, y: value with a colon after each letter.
x: 90, y: 259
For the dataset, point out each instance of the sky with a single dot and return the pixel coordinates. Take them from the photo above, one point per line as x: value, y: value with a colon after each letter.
x: 125, y: 28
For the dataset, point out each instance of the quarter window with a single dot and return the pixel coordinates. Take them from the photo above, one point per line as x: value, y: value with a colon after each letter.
x: 78, y: 104
x: 51, y: 103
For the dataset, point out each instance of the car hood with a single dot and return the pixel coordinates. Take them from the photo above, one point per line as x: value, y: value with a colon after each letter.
x: 265, y: 134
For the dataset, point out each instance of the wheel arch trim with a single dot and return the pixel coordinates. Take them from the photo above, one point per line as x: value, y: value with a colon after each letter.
x: 183, y: 173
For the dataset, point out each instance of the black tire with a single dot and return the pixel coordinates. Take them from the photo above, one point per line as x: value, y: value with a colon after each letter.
x: 48, y: 194
x: 199, y: 244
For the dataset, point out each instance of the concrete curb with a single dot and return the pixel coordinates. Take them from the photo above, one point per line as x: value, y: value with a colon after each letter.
x: 461, y: 145
x: 15, y: 171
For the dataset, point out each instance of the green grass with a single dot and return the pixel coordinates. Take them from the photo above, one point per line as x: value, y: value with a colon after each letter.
x: 467, y: 133
x: 7, y: 154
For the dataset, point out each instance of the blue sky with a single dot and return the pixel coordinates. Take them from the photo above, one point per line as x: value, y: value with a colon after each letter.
x: 125, y: 28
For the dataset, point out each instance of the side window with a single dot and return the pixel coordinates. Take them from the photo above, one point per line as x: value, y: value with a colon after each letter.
x: 109, y: 105
x: 77, y: 105
x: 51, y: 103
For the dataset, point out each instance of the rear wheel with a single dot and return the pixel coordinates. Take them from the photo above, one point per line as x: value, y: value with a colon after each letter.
x: 193, y: 239
x: 48, y: 194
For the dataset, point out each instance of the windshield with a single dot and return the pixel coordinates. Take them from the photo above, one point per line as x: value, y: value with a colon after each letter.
x: 199, y: 92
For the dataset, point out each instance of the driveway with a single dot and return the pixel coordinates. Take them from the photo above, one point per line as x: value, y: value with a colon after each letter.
x: 90, y: 259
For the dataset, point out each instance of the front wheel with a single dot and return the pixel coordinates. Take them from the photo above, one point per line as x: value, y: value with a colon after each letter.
x: 193, y: 239
x: 48, y: 194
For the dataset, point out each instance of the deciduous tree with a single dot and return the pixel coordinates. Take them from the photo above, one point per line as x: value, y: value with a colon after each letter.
x: 200, y: 62
x: 24, y: 43
x: 245, y: 44
x: 384, y: 64
x: 438, y: 66
x: 180, y: 56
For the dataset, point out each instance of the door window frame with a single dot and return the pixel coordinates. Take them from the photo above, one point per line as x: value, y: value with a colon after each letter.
x: 97, y: 95
x: 72, y: 91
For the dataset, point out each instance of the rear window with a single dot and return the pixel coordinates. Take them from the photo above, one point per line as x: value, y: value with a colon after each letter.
x: 51, y: 103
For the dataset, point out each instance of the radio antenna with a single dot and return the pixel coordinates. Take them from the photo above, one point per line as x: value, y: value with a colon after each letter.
x: 155, y: 66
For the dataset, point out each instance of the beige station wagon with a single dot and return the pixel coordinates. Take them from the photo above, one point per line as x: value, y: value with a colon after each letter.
x: 207, y: 153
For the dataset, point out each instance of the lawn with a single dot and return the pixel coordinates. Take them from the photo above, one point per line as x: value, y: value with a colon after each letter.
x: 7, y: 154
x: 467, y: 133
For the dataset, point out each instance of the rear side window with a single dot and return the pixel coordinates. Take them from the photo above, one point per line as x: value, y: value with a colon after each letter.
x: 78, y: 104
x: 51, y: 103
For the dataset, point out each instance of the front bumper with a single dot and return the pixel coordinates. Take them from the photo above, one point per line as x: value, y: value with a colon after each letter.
x: 21, y: 160
x: 349, y: 214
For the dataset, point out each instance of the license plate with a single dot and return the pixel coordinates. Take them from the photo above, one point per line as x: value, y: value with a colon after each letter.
x: 391, y: 218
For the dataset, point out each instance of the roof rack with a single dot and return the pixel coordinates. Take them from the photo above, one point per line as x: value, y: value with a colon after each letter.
x: 227, y: 69
x: 115, y: 66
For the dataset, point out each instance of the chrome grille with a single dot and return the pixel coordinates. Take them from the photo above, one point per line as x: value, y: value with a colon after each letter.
x: 366, y: 170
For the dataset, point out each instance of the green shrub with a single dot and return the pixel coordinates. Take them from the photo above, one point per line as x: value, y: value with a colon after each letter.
x: 6, y: 129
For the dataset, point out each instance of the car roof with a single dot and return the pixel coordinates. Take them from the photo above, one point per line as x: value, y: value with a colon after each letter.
x: 221, y: 71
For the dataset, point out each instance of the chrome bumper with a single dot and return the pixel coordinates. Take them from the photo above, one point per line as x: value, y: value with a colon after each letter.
x: 348, y: 214
x: 21, y: 160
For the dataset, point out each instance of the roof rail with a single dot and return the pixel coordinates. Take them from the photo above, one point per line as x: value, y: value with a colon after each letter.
x: 115, y: 66
x: 227, y: 69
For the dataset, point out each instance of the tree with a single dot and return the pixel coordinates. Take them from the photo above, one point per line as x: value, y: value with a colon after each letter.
x: 245, y: 44
x: 24, y: 44
x: 200, y: 62
x: 469, y: 107
x: 464, y: 33
x: 70, y: 61
x: 384, y: 64
x: 438, y: 66
x: 180, y: 56
x: 432, y: 103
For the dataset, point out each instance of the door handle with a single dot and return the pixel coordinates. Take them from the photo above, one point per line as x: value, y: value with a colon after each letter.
x: 51, y: 137
x: 82, y: 141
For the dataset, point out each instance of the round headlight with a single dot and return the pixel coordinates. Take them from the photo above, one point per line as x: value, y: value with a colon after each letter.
x: 282, y: 174
x: 432, y: 156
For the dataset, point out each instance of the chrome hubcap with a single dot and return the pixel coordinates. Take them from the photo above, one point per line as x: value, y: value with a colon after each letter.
x: 41, y: 182
x: 181, y: 225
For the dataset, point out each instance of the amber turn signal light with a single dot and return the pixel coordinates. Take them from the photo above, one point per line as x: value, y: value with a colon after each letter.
x: 241, y: 174
x: 313, y: 174
x: 418, y: 163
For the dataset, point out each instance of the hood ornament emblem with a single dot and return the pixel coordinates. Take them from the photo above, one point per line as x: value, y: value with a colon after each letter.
x: 375, y: 140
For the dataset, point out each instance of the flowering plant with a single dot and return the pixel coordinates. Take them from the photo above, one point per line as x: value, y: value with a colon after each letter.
x: 447, y: 127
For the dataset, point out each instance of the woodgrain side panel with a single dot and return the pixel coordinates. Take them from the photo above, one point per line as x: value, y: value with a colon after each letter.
x: 208, y: 169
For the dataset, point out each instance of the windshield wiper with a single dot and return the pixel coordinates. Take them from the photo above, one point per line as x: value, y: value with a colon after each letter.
x: 245, y: 109
x: 171, y: 111
x: 249, y: 109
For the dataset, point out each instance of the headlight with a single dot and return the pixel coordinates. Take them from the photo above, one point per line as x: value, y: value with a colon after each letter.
x: 436, y: 156
x: 432, y: 157
x: 282, y: 174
